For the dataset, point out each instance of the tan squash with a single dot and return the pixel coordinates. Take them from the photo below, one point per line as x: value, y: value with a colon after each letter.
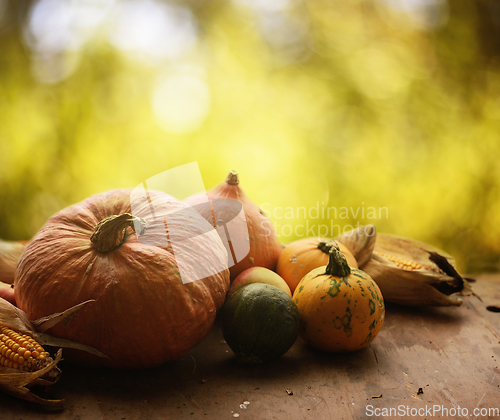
x: 252, y: 227
x: 304, y: 255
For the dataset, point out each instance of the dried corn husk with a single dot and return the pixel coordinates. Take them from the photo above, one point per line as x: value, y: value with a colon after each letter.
x: 16, y: 382
x: 408, y: 272
x: 10, y: 252
x: 361, y: 242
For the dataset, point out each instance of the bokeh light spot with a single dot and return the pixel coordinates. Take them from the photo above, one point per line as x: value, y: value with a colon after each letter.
x: 181, y: 103
x: 151, y: 28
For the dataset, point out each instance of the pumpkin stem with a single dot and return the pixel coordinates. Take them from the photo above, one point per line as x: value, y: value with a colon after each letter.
x: 325, y: 246
x: 232, y: 178
x: 110, y: 232
x: 337, y: 264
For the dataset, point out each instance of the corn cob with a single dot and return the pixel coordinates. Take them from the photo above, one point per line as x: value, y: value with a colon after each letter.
x: 406, y: 264
x: 408, y: 272
x: 20, y: 351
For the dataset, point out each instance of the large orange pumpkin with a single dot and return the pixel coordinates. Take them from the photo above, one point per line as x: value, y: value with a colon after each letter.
x: 256, y: 230
x: 341, y: 309
x: 143, y: 314
x: 300, y: 257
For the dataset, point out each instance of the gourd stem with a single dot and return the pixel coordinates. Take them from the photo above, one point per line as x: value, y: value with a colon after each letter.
x: 232, y: 178
x: 325, y: 246
x: 110, y: 232
x: 337, y: 263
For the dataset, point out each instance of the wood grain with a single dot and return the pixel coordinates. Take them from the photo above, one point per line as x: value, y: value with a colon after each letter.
x: 422, y: 359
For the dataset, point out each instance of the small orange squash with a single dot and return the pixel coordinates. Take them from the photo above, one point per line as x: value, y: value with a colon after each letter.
x: 341, y: 310
x: 304, y: 255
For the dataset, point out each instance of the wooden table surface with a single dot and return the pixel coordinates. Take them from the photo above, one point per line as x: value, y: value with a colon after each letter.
x: 425, y: 363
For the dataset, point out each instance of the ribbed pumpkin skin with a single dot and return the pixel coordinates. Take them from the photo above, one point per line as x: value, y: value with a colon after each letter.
x: 339, y: 314
x: 143, y: 315
x: 265, y: 247
x: 300, y: 257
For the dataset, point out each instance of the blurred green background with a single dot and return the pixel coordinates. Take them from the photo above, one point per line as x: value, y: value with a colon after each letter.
x: 357, y: 104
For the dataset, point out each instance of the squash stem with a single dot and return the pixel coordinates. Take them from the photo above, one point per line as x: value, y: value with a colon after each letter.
x: 110, y: 232
x: 337, y: 263
x: 232, y: 178
x: 325, y: 246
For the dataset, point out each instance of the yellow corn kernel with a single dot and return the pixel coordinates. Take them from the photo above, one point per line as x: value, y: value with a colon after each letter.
x: 404, y: 263
x: 20, y: 351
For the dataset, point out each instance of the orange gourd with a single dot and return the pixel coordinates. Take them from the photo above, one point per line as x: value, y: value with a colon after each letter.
x: 341, y: 309
x: 256, y: 229
x: 304, y: 255
x: 143, y: 313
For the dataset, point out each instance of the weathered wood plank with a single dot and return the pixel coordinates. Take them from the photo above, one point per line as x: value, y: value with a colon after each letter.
x: 452, y: 355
